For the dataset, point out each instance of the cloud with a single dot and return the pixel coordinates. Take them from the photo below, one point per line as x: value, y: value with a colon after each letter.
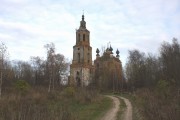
x: 27, y: 25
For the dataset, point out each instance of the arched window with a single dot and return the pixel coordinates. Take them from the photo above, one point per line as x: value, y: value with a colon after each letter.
x: 78, y: 80
x: 83, y: 37
x: 88, y: 38
x: 78, y: 57
x: 88, y: 56
x: 79, y: 37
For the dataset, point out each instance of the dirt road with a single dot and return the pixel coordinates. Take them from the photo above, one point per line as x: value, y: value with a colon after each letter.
x: 111, y: 114
x: 128, y: 112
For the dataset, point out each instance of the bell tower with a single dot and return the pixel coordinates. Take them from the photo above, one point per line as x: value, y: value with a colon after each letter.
x: 81, y: 67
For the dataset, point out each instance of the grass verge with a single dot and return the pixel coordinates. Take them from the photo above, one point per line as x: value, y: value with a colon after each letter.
x: 122, y: 108
x: 93, y: 111
x: 136, y: 114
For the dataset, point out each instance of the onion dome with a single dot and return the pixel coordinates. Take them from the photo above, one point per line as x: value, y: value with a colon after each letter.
x: 117, y: 52
x: 97, y: 52
x: 111, y: 49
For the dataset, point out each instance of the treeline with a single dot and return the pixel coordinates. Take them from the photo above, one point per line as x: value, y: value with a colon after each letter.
x: 50, y: 72
x: 34, y: 90
x: 155, y: 81
x: 147, y: 70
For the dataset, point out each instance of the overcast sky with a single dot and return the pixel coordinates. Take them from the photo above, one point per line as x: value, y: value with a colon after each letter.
x: 27, y: 25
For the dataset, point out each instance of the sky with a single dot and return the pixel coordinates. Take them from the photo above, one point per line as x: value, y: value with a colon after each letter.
x: 27, y: 25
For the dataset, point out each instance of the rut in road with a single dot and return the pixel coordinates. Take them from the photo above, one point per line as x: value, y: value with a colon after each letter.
x: 128, y: 111
x: 111, y: 114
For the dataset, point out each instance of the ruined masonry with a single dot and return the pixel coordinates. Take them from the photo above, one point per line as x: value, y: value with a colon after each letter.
x: 81, y: 67
x: 83, y: 72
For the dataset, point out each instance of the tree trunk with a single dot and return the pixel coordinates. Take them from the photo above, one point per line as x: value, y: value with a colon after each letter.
x: 49, y: 89
x: 1, y: 86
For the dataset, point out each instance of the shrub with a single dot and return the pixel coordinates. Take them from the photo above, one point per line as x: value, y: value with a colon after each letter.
x: 69, y: 91
x: 152, y: 104
x: 22, y: 86
x: 163, y: 88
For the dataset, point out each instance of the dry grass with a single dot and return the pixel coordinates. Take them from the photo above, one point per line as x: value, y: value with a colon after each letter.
x: 158, y: 106
x: 37, y: 104
x: 34, y: 105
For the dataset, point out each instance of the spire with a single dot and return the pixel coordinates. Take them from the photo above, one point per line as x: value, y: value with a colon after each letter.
x: 82, y: 23
x: 83, y: 17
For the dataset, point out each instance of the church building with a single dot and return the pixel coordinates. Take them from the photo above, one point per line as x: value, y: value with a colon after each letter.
x: 106, y: 69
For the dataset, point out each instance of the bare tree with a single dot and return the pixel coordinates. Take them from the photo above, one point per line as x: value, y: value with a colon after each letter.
x: 135, y: 69
x: 51, y: 64
x: 56, y: 66
x: 3, y: 55
x: 38, y: 69
x: 61, y: 66
x: 23, y: 71
x: 170, y: 59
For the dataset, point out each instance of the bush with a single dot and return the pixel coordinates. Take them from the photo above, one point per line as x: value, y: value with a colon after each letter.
x: 152, y: 104
x: 163, y: 89
x: 22, y: 86
x: 84, y: 95
x: 69, y: 91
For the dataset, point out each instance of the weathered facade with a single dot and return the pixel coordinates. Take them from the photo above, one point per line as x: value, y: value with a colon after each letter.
x: 81, y: 67
x: 107, y: 69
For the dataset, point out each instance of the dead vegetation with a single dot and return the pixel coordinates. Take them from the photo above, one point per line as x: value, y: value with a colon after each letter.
x: 38, y: 104
x: 160, y: 106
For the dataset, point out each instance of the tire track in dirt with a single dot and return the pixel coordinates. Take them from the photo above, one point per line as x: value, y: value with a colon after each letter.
x: 128, y: 111
x: 111, y: 114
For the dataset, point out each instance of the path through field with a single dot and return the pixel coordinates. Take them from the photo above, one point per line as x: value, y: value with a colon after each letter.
x: 112, y: 113
x: 128, y: 111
